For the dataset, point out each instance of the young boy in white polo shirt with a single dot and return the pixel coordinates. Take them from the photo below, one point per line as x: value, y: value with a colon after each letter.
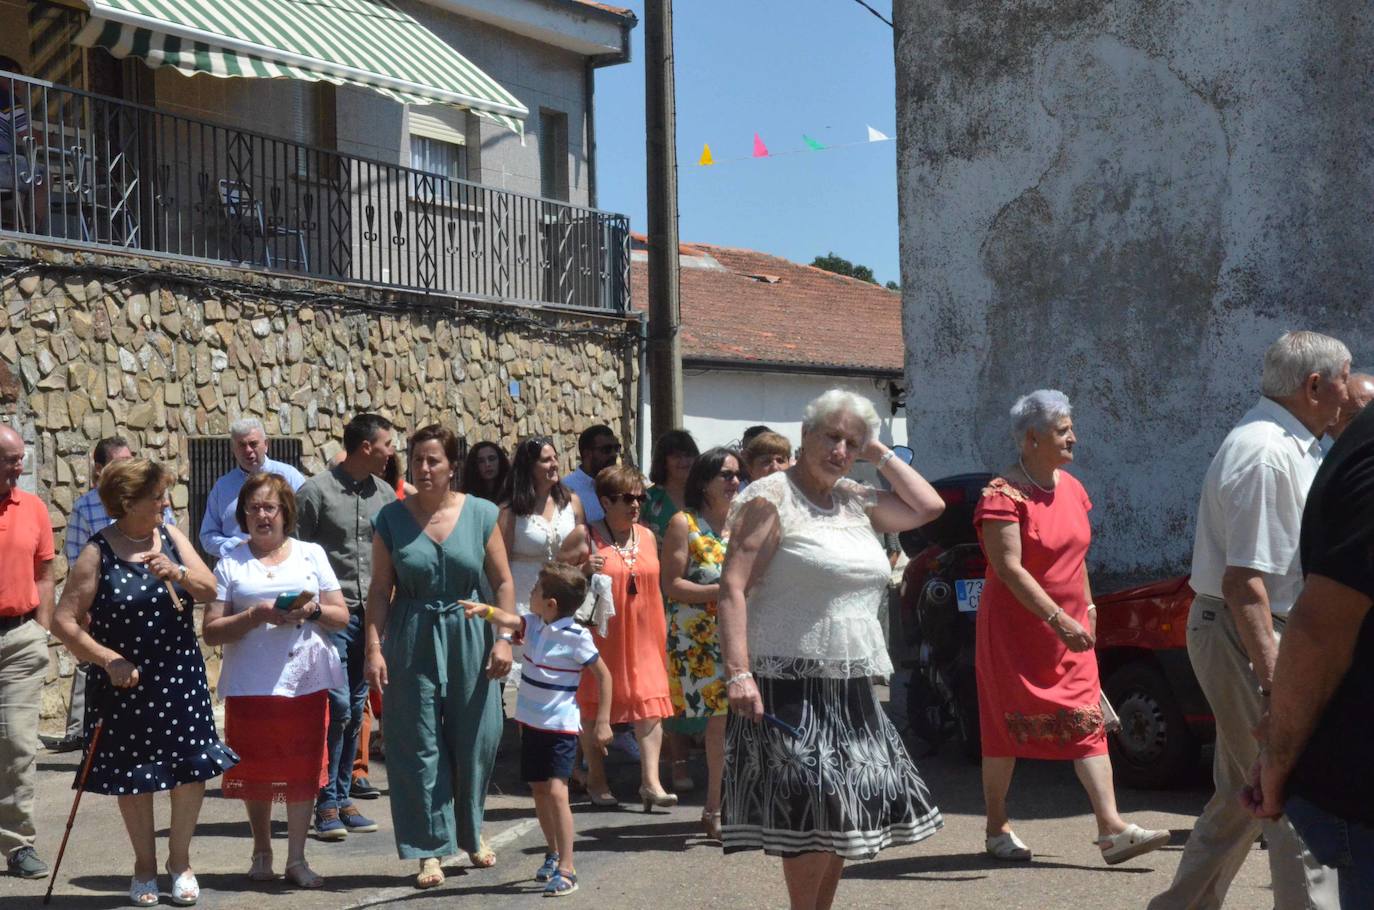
x: 555, y: 650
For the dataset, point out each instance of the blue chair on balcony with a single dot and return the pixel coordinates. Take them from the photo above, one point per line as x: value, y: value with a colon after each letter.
x: 243, y: 212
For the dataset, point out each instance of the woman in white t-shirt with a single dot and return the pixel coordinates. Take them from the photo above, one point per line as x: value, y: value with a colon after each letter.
x: 278, y: 669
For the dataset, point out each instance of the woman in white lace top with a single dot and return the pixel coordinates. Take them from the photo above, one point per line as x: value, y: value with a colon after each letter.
x: 815, y: 772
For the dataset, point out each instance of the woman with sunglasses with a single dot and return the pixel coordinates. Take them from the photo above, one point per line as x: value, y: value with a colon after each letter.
x: 632, y: 648
x: 693, y: 553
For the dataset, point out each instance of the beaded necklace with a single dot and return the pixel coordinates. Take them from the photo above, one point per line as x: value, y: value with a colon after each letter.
x: 628, y: 554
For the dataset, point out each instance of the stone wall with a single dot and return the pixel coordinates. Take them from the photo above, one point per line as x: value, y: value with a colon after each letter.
x: 93, y: 344
x: 1127, y: 200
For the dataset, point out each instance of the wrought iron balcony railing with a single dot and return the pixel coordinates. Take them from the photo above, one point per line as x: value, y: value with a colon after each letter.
x: 88, y: 169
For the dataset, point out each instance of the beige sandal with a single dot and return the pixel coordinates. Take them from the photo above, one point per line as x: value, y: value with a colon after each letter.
x: 484, y: 857
x: 261, y: 869
x: 431, y: 873
x: 302, y: 876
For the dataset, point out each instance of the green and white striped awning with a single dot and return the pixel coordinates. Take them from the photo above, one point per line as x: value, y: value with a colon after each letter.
x: 358, y: 42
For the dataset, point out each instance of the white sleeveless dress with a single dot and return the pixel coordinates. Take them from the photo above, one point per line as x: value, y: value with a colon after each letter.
x: 839, y: 780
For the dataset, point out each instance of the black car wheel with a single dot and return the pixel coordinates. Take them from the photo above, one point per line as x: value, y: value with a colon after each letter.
x: 1154, y: 749
x: 924, y: 714
x: 966, y: 716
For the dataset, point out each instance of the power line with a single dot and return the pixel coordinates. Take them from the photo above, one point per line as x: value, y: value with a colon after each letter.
x: 880, y: 16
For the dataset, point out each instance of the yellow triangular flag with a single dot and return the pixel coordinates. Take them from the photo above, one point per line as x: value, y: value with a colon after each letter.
x: 706, y: 160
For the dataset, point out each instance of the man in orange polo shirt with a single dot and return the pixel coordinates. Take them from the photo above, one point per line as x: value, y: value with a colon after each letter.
x: 26, y: 605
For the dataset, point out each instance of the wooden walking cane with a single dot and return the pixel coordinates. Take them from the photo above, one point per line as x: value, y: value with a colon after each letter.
x: 80, y: 788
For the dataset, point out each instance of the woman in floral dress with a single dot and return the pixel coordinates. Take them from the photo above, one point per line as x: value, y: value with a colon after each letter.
x: 693, y: 553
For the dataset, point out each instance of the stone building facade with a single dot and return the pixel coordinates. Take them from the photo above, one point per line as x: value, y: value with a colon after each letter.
x: 162, y: 351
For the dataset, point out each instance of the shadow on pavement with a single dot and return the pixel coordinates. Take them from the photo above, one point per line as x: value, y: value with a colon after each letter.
x: 933, y: 865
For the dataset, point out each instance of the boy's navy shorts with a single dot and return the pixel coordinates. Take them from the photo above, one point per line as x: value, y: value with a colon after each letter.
x: 546, y: 754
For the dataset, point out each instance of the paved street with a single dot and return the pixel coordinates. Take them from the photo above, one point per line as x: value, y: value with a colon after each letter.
x: 627, y: 859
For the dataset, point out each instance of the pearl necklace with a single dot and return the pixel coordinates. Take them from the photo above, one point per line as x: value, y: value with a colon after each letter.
x: 137, y: 541
x: 1022, y: 463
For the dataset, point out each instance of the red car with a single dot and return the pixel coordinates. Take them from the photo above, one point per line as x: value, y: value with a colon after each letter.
x: 1141, y: 648
x: 1142, y: 653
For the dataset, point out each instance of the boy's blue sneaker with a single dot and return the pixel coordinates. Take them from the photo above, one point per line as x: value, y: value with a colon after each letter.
x: 562, y: 883
x: 355, y: 821
x: 549, y: 869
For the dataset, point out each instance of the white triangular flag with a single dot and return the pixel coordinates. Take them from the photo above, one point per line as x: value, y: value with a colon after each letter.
x: 875, y: 136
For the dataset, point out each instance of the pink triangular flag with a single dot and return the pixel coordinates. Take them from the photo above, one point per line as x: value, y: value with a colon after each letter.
x: 760, y: 150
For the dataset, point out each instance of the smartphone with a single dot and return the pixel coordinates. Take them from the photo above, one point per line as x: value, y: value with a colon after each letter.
x: 292, y: 599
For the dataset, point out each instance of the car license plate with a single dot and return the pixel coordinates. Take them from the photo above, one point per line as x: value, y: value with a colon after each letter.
x: 967, y: 593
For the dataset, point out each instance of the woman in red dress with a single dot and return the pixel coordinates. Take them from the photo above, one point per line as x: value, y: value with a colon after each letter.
x: 1038, y: 690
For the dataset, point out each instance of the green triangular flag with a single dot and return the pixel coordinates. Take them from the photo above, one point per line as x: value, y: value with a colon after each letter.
x: 812, y: 143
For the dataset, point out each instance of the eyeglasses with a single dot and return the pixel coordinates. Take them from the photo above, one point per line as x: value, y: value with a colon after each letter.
x: 728, y: 476
x: 628, y: 498
x: 269, y: 510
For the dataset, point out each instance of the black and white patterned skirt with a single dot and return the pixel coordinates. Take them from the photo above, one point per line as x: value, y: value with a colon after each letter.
x: 845, y: 785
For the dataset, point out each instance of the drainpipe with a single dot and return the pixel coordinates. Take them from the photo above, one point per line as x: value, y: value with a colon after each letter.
x: 645, y: 446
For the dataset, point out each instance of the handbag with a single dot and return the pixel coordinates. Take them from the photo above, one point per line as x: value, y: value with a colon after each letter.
x: 1110, y: 721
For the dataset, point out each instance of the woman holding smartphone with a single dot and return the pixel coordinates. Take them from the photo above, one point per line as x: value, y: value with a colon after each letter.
x: 274, y: 597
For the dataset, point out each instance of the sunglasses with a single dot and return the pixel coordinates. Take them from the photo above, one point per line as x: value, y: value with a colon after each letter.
x: 628, y: 498
x: 609, y: 448
x: 728, y: 476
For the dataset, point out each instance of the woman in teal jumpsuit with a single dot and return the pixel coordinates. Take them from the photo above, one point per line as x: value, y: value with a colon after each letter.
x: 435, y: 667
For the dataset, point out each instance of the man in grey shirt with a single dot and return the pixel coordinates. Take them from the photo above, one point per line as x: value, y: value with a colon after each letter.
x: 335, y: 509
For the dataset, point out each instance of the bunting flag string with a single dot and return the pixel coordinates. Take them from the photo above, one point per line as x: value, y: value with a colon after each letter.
x: 761, y: 150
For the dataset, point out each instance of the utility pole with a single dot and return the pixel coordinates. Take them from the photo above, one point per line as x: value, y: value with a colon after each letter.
x: 665, y: 349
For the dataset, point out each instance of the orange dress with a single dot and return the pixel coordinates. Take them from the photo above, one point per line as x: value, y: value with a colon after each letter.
x: 635, y: 645
x: 1036, y: 698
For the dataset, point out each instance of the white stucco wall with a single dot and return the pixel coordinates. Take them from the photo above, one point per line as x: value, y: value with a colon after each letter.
x: 1129, y: 201
x: 719, y: 405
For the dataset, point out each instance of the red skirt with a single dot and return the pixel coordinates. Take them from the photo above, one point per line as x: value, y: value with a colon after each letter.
x: 281, y: 746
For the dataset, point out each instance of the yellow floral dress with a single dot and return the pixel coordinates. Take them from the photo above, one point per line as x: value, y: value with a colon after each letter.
x: 694, y: 662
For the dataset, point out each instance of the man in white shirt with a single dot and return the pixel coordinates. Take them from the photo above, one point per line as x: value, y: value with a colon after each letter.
x: 599, y: 449
x: 1246, y: 575
x: 219, y: 529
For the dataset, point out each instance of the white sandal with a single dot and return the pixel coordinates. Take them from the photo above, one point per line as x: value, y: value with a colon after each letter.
x: 143, y: 894
x: 1129, y: 843
x: 185, y: 888
x: 1008, y: 848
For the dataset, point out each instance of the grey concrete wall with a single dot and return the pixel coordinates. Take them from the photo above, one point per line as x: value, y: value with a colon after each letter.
x: 1128, y: 201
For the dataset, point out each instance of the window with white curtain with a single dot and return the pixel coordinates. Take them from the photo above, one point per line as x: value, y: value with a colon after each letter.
x: 438, y: 145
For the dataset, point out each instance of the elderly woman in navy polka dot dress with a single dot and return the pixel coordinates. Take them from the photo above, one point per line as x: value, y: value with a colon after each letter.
x: 148, y: 683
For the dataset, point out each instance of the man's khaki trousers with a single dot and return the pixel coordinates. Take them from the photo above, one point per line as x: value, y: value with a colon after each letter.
x: 1225, y: 832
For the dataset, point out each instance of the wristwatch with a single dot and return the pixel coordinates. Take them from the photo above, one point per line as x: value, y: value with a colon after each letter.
x: 507, y: 637
x: 315, y: 614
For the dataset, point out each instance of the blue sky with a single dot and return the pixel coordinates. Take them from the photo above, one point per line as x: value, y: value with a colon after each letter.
x: 780, y: 68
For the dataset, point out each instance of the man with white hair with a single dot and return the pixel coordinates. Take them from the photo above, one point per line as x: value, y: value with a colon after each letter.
x: 1246, y: 576
x: 26, y: 607
x: 219, y: 529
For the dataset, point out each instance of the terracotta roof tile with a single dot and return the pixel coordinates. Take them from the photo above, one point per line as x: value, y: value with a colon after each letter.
x: 619, y: 11
x: 757, y: 308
